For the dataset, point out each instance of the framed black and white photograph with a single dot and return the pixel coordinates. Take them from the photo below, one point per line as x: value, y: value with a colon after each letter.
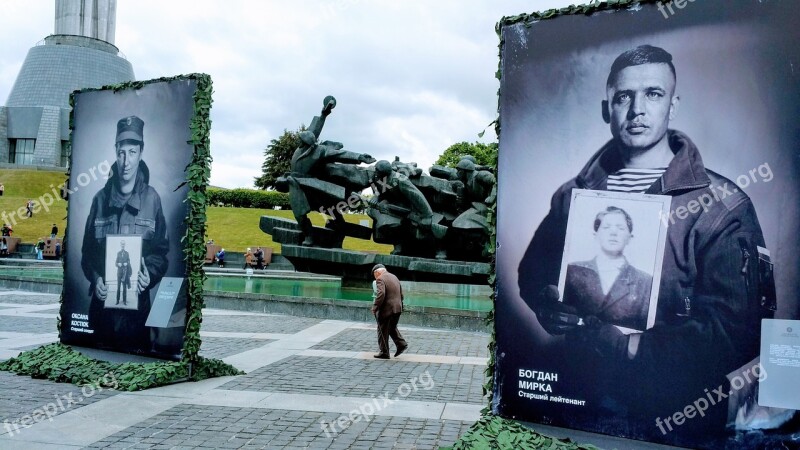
x: 697, y: 104
x: 613, y: 251
x: 130, y: 149
x: 123, y: 255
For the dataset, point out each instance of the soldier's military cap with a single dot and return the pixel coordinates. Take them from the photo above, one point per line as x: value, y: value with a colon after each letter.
x: 130, y: 128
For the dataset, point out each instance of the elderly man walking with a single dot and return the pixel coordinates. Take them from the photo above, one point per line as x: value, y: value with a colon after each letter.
x: 387, y: 308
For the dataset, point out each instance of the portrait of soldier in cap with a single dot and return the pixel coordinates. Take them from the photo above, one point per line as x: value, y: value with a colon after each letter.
x: 127, y: 205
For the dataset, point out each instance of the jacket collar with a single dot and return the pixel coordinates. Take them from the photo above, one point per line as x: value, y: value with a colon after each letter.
x: 685, y: 171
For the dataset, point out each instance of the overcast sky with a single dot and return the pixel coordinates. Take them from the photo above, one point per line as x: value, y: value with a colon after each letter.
x: 410, y: 78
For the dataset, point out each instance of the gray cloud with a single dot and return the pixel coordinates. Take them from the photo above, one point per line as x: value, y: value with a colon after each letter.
x: 411, y: 77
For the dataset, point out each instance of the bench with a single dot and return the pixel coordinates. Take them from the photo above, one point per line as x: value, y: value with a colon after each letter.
x: 49, y: 251
x: 13, y: 243
x: 211, y: 252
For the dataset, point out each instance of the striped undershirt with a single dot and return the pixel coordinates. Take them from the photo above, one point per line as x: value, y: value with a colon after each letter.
x: 633, y: 180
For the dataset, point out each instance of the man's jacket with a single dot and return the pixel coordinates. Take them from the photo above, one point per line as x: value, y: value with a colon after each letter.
x: 389, y: 296
x: 709, y: 310
x: 626, y: 304
x: 141, y: 215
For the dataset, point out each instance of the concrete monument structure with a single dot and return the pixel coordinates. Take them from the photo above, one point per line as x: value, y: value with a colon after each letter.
x: 34, y: 123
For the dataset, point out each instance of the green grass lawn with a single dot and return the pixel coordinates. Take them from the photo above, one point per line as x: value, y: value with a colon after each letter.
x: 233, y: 228
x: 24, y: 185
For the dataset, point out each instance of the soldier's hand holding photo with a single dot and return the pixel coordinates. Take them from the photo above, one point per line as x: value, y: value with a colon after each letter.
x: 100, y: 289
x: 144, y: 279
x: 604, y: 339
x: 555, y: 316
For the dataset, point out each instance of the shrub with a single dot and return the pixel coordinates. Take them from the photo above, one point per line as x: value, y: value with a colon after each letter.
x: 247, y: 198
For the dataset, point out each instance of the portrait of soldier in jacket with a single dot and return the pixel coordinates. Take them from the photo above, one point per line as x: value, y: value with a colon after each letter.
x: 123, y: 263
x: 126, y: 205
x: 607, y: 287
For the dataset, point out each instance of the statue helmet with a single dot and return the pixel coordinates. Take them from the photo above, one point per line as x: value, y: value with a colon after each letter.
x: 465, y: 164
x: 308, y: 137
x: 383, y: 167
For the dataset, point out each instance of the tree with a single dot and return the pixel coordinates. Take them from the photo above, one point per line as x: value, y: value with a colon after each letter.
x: 485, y: 154
x: 278, y: 158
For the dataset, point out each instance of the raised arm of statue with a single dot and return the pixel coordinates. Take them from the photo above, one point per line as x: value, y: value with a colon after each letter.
x: 336, y: 154
x: 319, y: 121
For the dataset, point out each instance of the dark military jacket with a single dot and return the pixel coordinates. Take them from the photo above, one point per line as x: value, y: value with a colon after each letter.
x: 626, y: 304
x: 708, y: 319
x: 140, y: 215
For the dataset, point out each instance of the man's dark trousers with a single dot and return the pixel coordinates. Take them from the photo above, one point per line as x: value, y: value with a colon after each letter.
x: 122, y: 286
x: 387, y: 327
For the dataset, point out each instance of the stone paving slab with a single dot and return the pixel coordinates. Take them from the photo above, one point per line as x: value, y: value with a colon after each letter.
x: 219, y: 347
x: 426, y: 342
x: 285, y: 397
x: 32, y: 299
x: 17, y: 342
x: 193, y: 426
x: 230, y: 334
x: 49, y: 311
x: 257, y: 323
x: 363, y: 378
x: 33, y: 347
x: 406, y: 357
x: 22, y: 396
x: 28, y: 324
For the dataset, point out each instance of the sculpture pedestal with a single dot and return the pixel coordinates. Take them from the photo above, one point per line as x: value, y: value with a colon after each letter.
x: 354, y: 267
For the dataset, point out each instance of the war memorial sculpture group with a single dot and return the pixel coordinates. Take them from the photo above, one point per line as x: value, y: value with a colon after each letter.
x: 436, y: 223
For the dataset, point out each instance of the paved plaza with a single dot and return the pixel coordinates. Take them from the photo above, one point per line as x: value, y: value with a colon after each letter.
x: 310, y: 383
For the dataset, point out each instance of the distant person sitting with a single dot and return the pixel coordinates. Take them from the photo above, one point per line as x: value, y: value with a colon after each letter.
x: 259, y: 254
x: 54, y: 231
x: 248, y: 257
x: 221, y: 257
x: 3, y: 247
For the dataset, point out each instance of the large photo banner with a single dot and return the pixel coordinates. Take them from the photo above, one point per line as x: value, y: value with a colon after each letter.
x: 648, y: 217
x: 125, y: 269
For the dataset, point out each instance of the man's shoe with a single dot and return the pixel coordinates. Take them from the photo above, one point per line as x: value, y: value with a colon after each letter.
x: 400, y: 350
x: 381, y: 356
